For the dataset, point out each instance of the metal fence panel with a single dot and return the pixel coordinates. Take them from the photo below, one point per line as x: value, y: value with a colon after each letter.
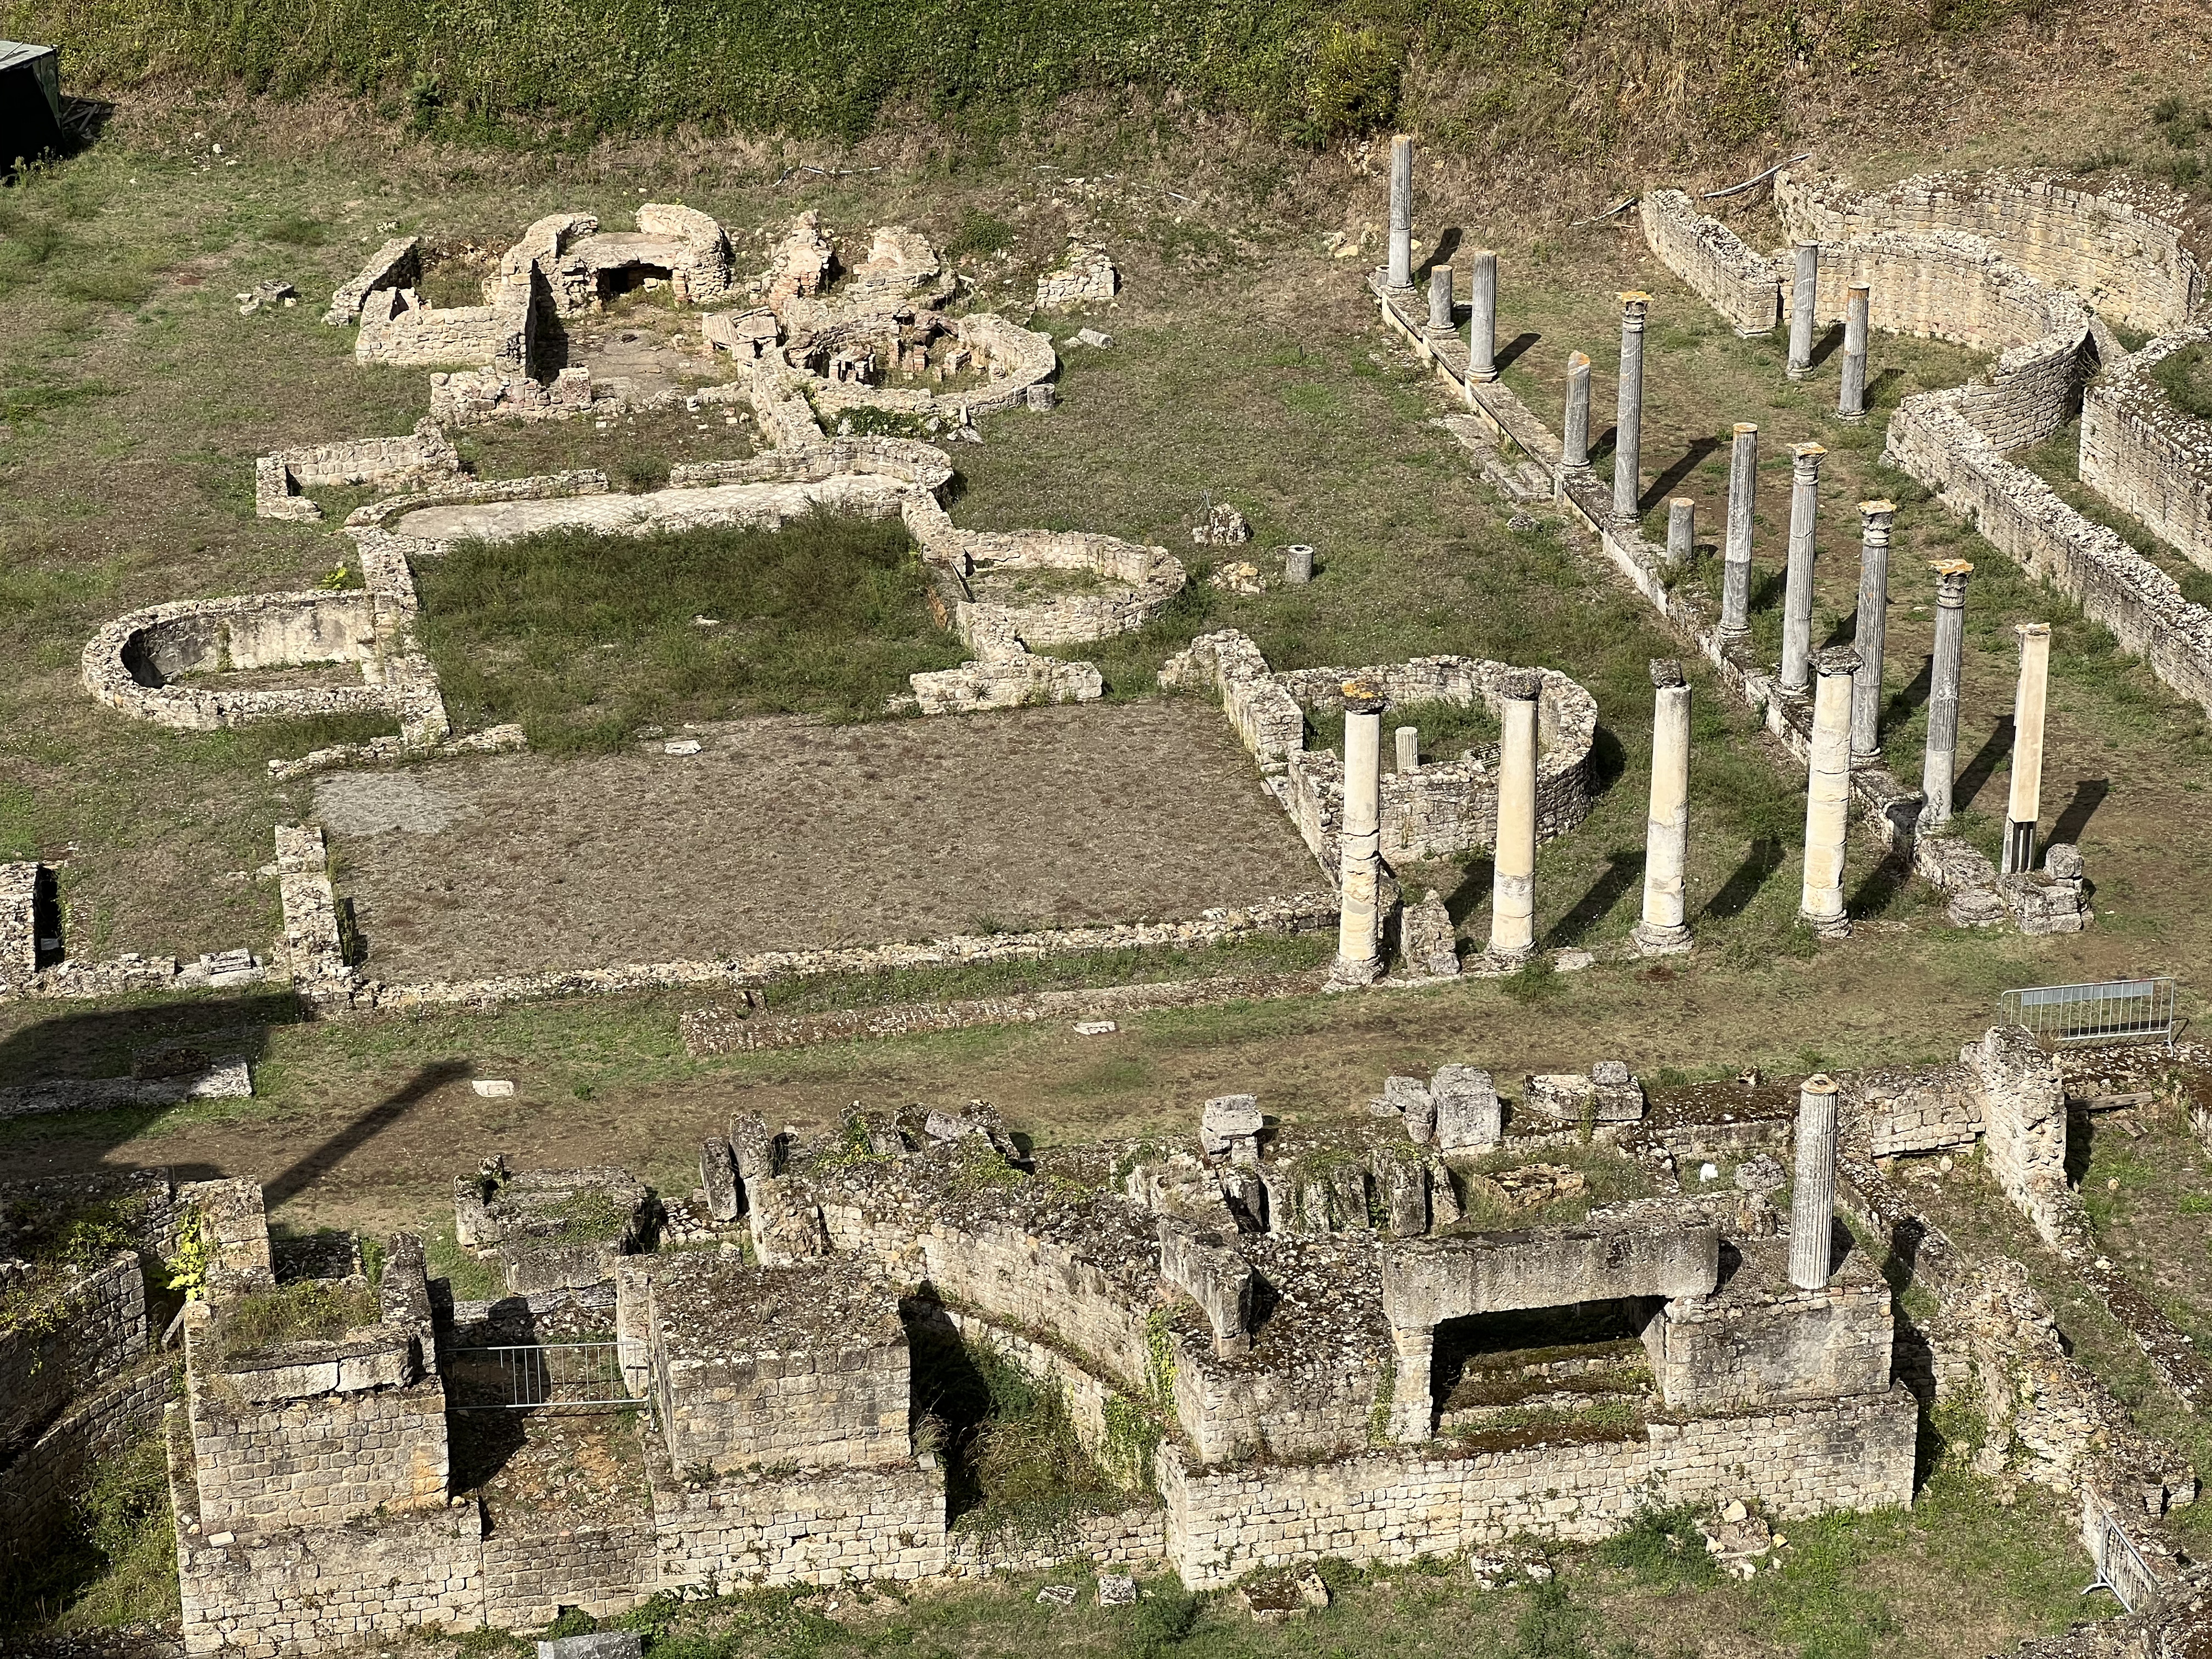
x: 2121, y: 1568
x: 2109, y: 1011
x: 521, y: 1376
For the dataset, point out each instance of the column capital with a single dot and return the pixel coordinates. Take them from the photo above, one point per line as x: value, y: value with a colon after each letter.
x: 1951, y: 576
x: 1806, y: 458
x: 1836, y: 660
x: 1520, y: 685
x: 1578, y: 360
x: 1860, y: 290
x: 1666, y: 673
x: 1875, y: 519
x: 1365, y: 697
x: 1635, y: 304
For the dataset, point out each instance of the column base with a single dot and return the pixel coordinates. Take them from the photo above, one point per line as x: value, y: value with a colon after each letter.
x: 1352, y: 976
x: 1506, y: 962
x: 1798, y: 371
x: 1828, y: 928
x: 1484, y: 377
x: 1624, y: 520
x: 1865, y: 757
x: 1842, y: 415
x: 1654, y: 941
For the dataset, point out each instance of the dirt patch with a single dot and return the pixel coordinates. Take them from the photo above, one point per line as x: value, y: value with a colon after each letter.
x: 784, y: 834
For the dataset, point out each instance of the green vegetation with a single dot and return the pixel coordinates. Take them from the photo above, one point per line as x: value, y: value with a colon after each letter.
x: 2186, y: 377
x: 113, y: 1561
x: 311, y: 1310
x: 585, y: 638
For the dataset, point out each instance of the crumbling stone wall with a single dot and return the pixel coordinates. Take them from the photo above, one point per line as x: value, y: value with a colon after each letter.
x: 39, y: 1482
x: 1759, y: 1340
x: 535, y: 1565
x: 2119, y: 247
x: 398, y: 327
x: 77, y: 1329
x: 2146, y: 457
x: 397, y: 263
x: 1901, y: 1111
x: 1389, y: 1505
x: 423, y: 457
x: 1712, y: 259
x: 1931, y: 438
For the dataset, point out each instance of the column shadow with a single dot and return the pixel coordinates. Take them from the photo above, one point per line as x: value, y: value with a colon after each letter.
x: 374, y: 1121
x: 1464, y: 900
x: 1622, y: 869
x: 1687, y: 463
x: 1880, y: 885
x: 1976, y: 771
x: 1441, y: 254
x: 1602, y: 444
x: 1901, y: 703
x: 1510, y: 352
x: 1735, y: 894
x: 1828, y: 344
x: 2088, y: 795
x: 1767, y: 591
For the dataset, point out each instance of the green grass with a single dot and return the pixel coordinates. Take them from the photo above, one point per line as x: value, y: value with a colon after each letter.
x: 2186, y: 377
x: 586, y: 639
x: 112, y: 1561
x: 309, y: 1310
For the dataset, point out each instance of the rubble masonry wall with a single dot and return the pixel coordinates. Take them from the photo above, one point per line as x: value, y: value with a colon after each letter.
x: 1712, y: 259
x: 2146, y: 457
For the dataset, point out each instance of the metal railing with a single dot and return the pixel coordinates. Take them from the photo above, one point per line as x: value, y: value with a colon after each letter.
x: 517, y: 1377
x: 2107, y: 1012
x: 2121, y: 1568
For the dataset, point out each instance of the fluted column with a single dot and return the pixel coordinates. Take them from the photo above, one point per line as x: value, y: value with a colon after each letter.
x: 1360, y: 922
x: 1872, y: 629
x: 1941, y: 764
x: 1513, y: 881
x: 1628, y: 413
x: 1735, y: 569
x: 1797, y: 592
x: 1440, y: 298
x: 1828, y: 795
x: 1401, y: 272
x: 1663, y: 930
x: 1681, y: 530
x: 1804, y: 308
x: 2028, y: 697
x: 1482, y: 322
x: 1409, y: 741
x: 1813, y: 1191
x: 1851, y: 397
x: 1574, y: 449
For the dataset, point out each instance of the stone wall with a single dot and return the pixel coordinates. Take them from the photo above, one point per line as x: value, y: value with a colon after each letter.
x: 78, y: 1329
x: 422, y: 456
x: 39, y: 1484
x: 1931, y: 438
x: 1759, y: 1340
x: 19, y: 925
x: 1392, y: 1504
x: 398, y: 327
x: 2146, y: 457
x: 1900, y: 1111
x: 397, y: 263
x: 535, y: 1565
x: 1092, y: 1402
x: 2121, y: 248
x: 1712, y: 259
x: 818, y: 1528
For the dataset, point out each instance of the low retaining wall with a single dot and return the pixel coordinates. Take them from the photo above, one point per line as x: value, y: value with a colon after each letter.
x: 2021, y: 516
x: 422, y: 456
x: 396, y: 327
x: 2148, y: 458
x: 1712, y: 259
x: 1393, y: 1505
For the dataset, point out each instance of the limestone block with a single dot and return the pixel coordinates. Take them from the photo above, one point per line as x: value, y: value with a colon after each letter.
x: 1086, y: 278
x: 1467, y: 1116
x: 1200, y: 1265
x: 1429, y: 939
x: 600, y: 1645
x: 717, y: 1174
x: 1425, y: 1281
x: 1231, y: 1125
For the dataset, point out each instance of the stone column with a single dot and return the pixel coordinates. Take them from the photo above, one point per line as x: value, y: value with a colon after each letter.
x: 1828, y: 796
x: 1872, y: 629
x: 1513, y: 882
x: 1628, y: 413
x: 1850, y: 400
x: 1408, y: 739
x: 1482, y: 325
x: 1360, y: 922
x: 1813, y: 1193
x: 1804, y: 305
x: 1297, y: 564
x: 1681, y: 530
x: 2026, y: 802
x: 1797, y: 594
x: 1667, y: 834
x: 1400, y: 273
x: 1941, y: 764
x: 1574, y: 456
x: 1440, y: 298
x: 1736, y: 569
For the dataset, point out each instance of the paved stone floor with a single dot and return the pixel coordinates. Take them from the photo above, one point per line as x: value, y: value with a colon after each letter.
x: 783, y: 833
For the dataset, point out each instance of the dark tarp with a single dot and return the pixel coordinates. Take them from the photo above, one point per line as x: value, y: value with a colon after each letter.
x: 30, y: 101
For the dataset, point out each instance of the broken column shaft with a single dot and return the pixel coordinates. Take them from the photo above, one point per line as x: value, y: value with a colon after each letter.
x: 1735, y: 567
x: 1359, y: 930
x: 1797, y: 589
x: 1813, y: 1193
x: 1440, y: 298
x: 1408, y: 739
x: 1574, y: 448
x: 1851, y: 397
x: 1681, y: 530
x: 1482, y: 323
x: 1872, y: 629
x: 1942, y: 762
x: 1828, y: 795
x: 1804, y: 305
x: 1667, y: 832
x: 2028, y: 698
x: 1513, y: 880
x: 1400, y: 271
x: 1628, y: 413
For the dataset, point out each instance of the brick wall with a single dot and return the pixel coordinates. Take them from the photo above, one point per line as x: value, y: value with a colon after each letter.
x: 88, y: 1327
